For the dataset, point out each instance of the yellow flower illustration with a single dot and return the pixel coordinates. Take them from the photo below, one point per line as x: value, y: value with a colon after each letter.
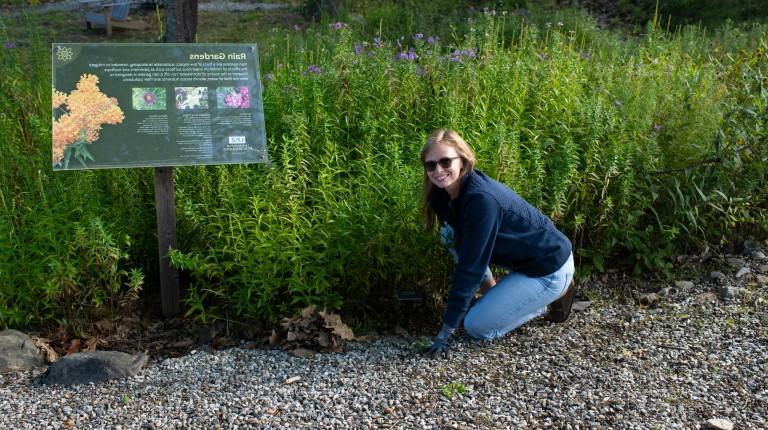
x: 83, y: 112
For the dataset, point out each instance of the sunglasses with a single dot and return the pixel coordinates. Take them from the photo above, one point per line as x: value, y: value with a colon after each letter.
x: 443, y: 162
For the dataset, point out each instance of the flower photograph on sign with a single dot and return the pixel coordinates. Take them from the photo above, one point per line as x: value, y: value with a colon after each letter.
x: 191, y: 98
x: 78, y: 118
x: 149, y: 99
x: 233, y: 97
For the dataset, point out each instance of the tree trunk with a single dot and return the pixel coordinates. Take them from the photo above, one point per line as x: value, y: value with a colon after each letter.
x: 180, y: 21
x: 316, y: 8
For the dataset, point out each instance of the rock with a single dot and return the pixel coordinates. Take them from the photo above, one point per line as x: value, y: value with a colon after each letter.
x: 706, y: 298
x: 717, y: 276
x: 303, y: 353
x: 718, y: 424
x: 98, y: 366
x: 726, y: 293
x: 743, y: 271
x: 763, y: 268
x: 580, y: 306
x: 649, y: 299
x: 736, y: 262
x: 762, y: 279
x: 666, y: 291
x: 18, y: 351
x: 684, y: 285
x: 757, y: 255
x: 744, y: 248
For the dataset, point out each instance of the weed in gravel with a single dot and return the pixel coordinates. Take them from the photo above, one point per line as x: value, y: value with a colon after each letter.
x: 421, y: 343
x: 453, y: 388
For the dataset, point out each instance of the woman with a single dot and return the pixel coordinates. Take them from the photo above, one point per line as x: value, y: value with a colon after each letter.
x: 483, y: 221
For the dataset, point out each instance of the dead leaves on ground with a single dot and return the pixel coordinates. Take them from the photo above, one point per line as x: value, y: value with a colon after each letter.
x: 314, y: 330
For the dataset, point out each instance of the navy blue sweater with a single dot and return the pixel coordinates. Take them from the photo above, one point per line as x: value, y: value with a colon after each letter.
x: 492, y: 224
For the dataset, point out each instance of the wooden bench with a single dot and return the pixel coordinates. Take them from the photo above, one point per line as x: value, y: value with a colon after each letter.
x: 110, y: 14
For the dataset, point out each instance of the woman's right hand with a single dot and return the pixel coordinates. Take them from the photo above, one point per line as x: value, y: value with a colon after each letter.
x: 484, y: 287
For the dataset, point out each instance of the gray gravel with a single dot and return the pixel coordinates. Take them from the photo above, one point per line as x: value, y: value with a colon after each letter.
x: 688, y: 360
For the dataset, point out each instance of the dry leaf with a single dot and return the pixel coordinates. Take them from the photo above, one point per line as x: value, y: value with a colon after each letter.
x: 333, y: 321
x: 105, y: 325
x: 69, y: 423
x: 323, y: 339
x: 184, y: 343
x: 274, y: 339
x: 74, y: 346
x: 308, y: 311
x: 314, y: 330
x: 292, y: 379
x: 92, y: 343
x: 43, y: 344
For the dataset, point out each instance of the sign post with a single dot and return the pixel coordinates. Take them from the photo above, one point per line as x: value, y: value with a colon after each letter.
x: 180, y: 26
x: 157, y: 105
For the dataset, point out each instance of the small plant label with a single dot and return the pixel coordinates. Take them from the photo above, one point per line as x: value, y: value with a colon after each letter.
x: 153, y: 105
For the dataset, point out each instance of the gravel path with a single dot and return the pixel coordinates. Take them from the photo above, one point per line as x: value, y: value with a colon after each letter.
x: 691, y: 358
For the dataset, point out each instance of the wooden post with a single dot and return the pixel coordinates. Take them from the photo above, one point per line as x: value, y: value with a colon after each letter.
x: 166, y: 239
x: 180, y: 26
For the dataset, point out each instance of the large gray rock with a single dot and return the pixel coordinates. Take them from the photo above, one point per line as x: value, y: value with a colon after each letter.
x: 18, y: 351
x: 96, y: 367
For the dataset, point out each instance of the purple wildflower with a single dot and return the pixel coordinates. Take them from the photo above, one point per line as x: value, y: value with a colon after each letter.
x: 9, y: 45
x: 431, y: 40
x: 585, y: 55
x: 618, y: 104
x: 337, y: 25
x: 269, y: 77
x: 409, y: 55
x: 657, y: 127
x: 312, y: 69
x: 377, y: 42
x: 358, y: 49
x: 418, y: 36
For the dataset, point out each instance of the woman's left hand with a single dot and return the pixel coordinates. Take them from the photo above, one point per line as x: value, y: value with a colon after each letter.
x: 438, y: 348
x: 440, y: 342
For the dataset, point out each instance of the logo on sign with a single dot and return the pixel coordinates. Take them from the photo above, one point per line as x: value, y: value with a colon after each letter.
x: 236, y: 139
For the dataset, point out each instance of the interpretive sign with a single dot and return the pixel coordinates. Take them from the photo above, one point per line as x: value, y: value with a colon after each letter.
x: 152, y: 105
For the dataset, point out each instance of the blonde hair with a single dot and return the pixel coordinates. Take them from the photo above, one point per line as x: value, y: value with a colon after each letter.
x: 450, y: 138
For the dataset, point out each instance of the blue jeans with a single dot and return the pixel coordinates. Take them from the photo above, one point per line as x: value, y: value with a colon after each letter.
x: 515, y: 300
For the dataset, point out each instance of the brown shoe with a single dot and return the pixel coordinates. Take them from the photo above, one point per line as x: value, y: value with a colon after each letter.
x: 561, y: 308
